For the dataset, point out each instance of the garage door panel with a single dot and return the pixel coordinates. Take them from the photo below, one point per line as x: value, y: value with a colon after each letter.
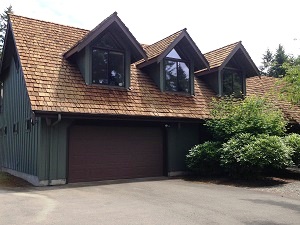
x: 103, y: 153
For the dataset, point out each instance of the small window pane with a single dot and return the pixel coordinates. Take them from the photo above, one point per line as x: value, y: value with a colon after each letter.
x: 183, y: 77
x: 107, y: 41
x: 227, y: 83
x: 116, y: 69
x: 237, y: 85
x: 173, y: 54
x: 171, y: 75
x: 99, y: 64
x: 232, y: 83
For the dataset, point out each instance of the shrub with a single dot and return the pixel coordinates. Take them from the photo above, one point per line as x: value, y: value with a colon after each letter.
x: 233, y: 153
x: 268, y: 152
x: 204, y: 158
x: 248, y: 155
x: 253, y: 115
x: 293, y: 141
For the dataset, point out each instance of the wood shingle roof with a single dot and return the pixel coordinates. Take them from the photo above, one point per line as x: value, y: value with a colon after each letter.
x: 55, y: 84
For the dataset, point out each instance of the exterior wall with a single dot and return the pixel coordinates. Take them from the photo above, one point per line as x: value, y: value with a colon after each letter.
x: 18, y: 150
x: 180, y: 138
x: 52, y: 157
x: 212, y: 81
x: 154, y: 72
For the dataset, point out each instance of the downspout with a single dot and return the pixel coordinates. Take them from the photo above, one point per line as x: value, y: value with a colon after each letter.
x: 49, y: 148
x: 57, y: 121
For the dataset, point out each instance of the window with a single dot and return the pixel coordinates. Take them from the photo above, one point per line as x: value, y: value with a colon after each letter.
x: 15, y: 128
x: 232, y: 83
x: 28, y: 124
x: 177, y: 73
x: 108, y: 62
x: 1, y: 96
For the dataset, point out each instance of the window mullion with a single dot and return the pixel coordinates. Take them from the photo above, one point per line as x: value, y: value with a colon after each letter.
x: 107, y: 67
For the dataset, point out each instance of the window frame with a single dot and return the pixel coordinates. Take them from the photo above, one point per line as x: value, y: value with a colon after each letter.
x: 28, y: 125
x: 177, y: 61
x: 232, y: 72
x: 16, y: 128
x: 108, y: 50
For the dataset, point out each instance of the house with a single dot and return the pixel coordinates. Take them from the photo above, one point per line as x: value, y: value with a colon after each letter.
x: 79, y: 105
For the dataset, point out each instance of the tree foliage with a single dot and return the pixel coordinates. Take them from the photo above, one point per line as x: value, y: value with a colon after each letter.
x: 291, y: 83
x: 252, y: 114
x: 272, y: 63
x: 3, y: 25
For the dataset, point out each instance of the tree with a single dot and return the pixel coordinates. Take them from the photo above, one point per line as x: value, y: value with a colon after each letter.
x: 272, y: 63
x: 3, y: 25
x: 279, y: 58
x: 291, y: 83
x: 267, y: 62
x: 254, y: 115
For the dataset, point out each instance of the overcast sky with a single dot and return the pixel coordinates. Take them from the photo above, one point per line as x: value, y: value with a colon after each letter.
x: 259, y: 24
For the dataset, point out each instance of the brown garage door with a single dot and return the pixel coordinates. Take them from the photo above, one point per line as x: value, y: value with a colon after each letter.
x: 105, y: 153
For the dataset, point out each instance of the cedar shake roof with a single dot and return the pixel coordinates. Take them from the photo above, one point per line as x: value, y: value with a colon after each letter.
x: 54, y: 84
x: 159, y: 47
x: 220, y: 57
x: 268, y: 86
x: 158, y: 50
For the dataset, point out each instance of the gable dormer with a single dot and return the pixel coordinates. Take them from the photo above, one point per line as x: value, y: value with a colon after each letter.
x: 229, y: 68
x: 172, y: 62
x: 104, y: 55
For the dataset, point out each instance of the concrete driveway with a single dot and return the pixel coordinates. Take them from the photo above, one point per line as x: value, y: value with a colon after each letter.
x: 148, y: 202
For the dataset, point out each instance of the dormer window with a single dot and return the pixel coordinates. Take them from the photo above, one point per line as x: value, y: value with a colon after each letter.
x: 177, y: 73
x: 232, y: 82
x: 108, y: 62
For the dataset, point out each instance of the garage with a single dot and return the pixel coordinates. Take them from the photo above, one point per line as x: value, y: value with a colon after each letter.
x: 108, y: 153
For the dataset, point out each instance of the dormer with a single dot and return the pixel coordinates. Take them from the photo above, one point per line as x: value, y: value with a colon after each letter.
x: 172, y: 61
x: 229, y: 68
x: 104, y: 55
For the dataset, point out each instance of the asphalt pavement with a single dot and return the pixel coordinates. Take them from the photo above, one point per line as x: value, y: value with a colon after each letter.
x: 172, y: 201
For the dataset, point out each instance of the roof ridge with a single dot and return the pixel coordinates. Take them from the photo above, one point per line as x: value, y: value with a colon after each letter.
x: 238, y: 42
x: 49, y: 22
x: 166, y: 37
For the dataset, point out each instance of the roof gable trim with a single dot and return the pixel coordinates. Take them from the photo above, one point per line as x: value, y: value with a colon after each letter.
x: 102, y: 27
x: 237, y: 47
x: 176, y: 41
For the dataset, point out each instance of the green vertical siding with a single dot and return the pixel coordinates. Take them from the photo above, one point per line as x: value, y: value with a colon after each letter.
x: 180, y: 138
x: 18, y: 149
x: 52, y: 159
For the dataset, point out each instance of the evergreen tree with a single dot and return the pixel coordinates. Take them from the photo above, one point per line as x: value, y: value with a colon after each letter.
x: 279, y: 58
x: 3, y: 25
x: 267, y: 62
x: 272, y: 63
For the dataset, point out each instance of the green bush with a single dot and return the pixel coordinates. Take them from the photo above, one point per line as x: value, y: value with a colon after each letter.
x: 252, y: 114
x: 248, y: 155
x: 233, y: 154
x: 293, y: 141
x: 204, y: 158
